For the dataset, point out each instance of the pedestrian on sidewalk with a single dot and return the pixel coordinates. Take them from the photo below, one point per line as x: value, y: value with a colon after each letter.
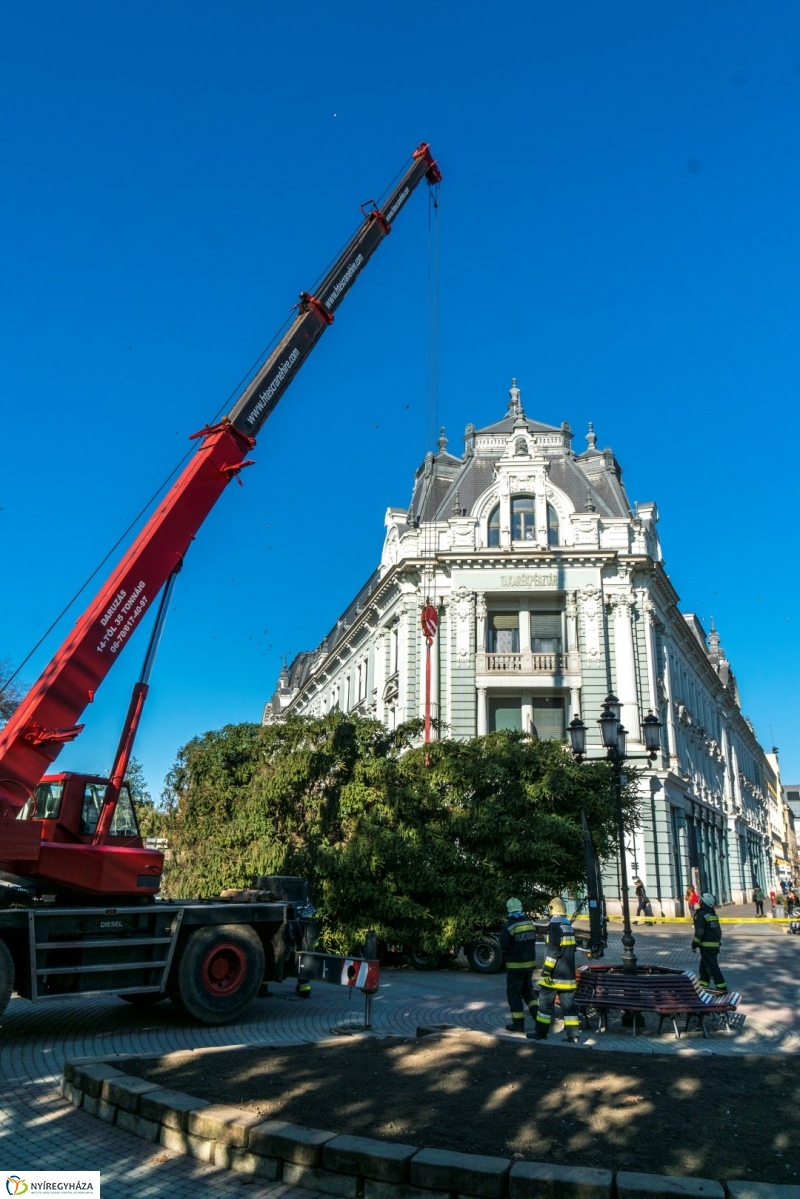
x: 691, y: 900
x: 643, y: 903
x: 772, y: 903
x: 758, y: 900
x: 707, y: 939
x: 518, y: 943
x: 558, y: 976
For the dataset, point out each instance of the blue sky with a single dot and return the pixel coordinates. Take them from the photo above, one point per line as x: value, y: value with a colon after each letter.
x: 619, y: 229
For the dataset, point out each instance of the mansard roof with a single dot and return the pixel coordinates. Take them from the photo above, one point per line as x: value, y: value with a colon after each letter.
x: 592, y: 480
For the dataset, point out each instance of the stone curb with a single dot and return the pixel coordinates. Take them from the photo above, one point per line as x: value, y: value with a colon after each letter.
x: 350, y: 1167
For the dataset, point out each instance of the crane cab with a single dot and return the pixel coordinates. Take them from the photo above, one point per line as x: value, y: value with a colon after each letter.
x: 67, y: 808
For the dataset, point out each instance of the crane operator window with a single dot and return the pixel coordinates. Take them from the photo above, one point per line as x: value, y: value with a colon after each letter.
x: 45, y: 803
x: 123, y: 823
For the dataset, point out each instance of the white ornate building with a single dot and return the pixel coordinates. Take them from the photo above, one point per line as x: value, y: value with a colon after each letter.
x: 551, y: 592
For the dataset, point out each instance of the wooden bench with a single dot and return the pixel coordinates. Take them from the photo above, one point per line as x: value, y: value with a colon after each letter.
x: 668, y: 993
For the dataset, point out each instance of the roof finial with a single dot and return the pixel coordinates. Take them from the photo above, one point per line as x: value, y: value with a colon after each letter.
x: 442, y: 442
x: 588, y: 506
x: 590, y: 436
x: 515, y: 405
x: 457, y: 504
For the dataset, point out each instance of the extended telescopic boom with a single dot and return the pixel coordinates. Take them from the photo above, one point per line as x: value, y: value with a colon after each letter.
x: 48, y: 716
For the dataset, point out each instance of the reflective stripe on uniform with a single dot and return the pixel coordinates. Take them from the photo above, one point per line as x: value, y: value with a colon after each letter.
x: 540, y: 1019
x: 549, y: 962
x: 556, y: 984
x: 520, y: 965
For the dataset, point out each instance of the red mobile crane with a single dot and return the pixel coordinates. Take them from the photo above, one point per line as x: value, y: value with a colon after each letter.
x: 68, y: 840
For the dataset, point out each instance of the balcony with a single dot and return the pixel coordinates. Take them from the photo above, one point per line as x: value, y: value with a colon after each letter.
x: 526, y: 663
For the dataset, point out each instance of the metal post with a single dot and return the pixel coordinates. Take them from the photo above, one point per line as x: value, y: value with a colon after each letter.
x: 628, y: 939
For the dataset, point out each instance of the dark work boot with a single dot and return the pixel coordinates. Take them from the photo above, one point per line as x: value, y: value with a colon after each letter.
x: 573, y: 1035
x: 517, y: 1024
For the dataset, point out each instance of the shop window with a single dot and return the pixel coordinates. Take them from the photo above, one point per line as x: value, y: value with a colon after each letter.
x: 505, y: 712
x: 503, y: 633
x: 548, y: 718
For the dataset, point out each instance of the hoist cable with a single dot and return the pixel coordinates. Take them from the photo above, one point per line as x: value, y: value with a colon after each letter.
x: 430, y: 494
x: 233, y: 394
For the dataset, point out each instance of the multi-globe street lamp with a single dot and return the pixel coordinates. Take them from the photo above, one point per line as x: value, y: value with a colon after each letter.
x: 614, y: 737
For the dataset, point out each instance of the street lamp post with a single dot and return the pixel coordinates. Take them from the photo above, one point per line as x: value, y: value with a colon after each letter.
x: 614, y: 737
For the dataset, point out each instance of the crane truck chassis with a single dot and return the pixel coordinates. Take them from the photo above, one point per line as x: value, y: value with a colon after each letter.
x: 79, y: 912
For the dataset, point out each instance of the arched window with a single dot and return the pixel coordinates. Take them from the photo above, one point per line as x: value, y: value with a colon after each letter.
x: 552, y: 525
x: 494, y: 527
x: 523, y: 518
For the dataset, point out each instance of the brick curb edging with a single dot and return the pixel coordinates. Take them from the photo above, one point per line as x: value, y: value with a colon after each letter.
x: 352, y: 1167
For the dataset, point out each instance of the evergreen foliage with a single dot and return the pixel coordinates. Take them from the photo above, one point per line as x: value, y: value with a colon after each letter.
x: 154, y: 820
x: 11, y: 693
x: 425, y: 854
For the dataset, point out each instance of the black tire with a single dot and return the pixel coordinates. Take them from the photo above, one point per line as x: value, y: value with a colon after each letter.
x: 219, y: 972
x: 485, y: 956
x: 6, y: 976
x: 143, y: 999
x: 421, y: 960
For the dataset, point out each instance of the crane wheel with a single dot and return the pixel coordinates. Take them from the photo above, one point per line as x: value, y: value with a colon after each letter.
x: 219, y: 973
x: 6, y: 976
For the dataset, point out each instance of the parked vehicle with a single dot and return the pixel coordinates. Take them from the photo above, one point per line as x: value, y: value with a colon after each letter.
x: 484, y: 956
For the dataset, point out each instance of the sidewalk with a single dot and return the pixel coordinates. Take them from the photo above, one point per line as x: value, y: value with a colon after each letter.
x: 36, y: 1125
x: 727, y: 912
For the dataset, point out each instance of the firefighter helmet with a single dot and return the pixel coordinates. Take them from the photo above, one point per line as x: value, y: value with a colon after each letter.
x: 556, y: 906
x: 513, y: 905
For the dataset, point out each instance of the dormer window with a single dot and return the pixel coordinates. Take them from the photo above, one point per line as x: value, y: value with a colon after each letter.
x: 552, y: 525
x: 523, y: 518
x: 520, y: 448
x: 493, y: 538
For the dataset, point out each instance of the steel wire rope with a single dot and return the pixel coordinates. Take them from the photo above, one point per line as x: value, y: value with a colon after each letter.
x: 429, y: 496
x: 153, y: 498
x: 236, y: 390
x: 345, y: 244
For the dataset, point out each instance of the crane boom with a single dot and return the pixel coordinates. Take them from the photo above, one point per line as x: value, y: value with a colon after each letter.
x: 48, y: 716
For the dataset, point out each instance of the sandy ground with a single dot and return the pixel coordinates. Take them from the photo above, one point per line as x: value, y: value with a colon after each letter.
x: 688, y: 1113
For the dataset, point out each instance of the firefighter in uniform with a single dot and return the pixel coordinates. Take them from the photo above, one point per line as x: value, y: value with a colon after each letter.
x: 707, y: 938
x: 558, y: 975
x: 518, y: 943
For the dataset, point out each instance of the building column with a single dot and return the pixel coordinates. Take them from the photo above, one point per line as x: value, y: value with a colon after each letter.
x: 379, y: 671
x: 480, y: 621
x: 524, y: 631
x: 647, y: 606
x: 574, y: 703
x: 401, y: 709
x: 483, y: 712
x: 527, y: 711
x: 672, y: 739
x: 625, y: 663
x: 571, y: 647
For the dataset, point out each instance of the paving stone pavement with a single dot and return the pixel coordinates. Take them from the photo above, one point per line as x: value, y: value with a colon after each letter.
x: 40, y: 1130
